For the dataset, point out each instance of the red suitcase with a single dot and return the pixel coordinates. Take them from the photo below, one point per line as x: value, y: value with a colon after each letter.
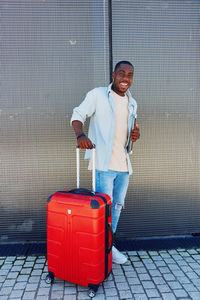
x: 79, y: 236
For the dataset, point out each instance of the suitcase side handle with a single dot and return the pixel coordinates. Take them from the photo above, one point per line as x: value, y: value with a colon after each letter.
x: 78, y: 168
x: 112, y: 237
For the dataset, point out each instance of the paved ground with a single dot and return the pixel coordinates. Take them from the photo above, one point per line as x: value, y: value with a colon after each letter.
x: 168, y: 275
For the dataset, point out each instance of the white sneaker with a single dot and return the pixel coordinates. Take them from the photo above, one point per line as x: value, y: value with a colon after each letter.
x: 118, y: 257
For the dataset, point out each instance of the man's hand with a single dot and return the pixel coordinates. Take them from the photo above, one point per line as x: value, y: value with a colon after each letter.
x: 84, y: 142
x: 135, y: 133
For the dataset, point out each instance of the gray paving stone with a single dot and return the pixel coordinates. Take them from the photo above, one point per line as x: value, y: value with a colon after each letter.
x: 168, y: 277
x: 172, y: 252
x: 19, y: 263
x: 122, y: 286
x: 31, y: 258
x: 155, y: 273
x: 140, y: 297
x: 33, y: 279
x: 117, y: 271
x: 133, y: 280
x: 164, y: 270
x: 17, y: 294
x: 9, y: 282
x: 141, y: 270
x: 6, y: 267
x: 99, y: 297
x: 43, y: 297
x: 111, y: 292
x: 134, y: 258
x: 174, y: 285
x: 192, y: 275
x: 36, y: 272
x: 31, y: 286
x: 39, y: 266
x: 180, y: 293
x: 168, y: 296
x: 4, y: 297
x: 82, y: 295
x: 137, y: 289
x: 69, y: 297
x: 5, y: 291
x: 131, y: 273
x: 22, y: 278
x: 28, y: 264
x: 29, y: 296
x: 148, y: 284
x: 160, y: 263
x: 57, y: 294
x: 192, y: 251
x: 16, y: 269
x: 58, y: 286
x: 169, y: 261
x: 152, y: 293
x: 184, y: 254
x: 144, y: 276
x: 174, y: 267
x: 111, y: 284
x: 10, y: 258
x: 120, y: 278
x: 157, y: 258
x: 182, y: 263
x: 190, y: 287
x: 147, y: 261
x: 195, y: 295
x: 158, y: 280
x: 125, y: 294
x: 163, y: 288
x: 183, y: 280
x: 70, y: 290
x: 43, y: 291
x: 26, y: 271
x: 20, y: 285
x: 138, y: 264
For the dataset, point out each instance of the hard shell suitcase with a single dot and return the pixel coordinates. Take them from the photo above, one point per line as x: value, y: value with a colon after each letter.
x: 79, y: 235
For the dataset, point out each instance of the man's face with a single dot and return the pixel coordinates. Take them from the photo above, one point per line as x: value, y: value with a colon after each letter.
x: 122, y: 79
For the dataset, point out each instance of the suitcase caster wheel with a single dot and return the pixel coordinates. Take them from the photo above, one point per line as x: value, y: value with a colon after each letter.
x: 49, y: 278
x: 91, y: 293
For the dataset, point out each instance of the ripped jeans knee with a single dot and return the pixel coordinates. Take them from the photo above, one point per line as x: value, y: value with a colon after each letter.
x: 116, y: 211
x: 118, y: 207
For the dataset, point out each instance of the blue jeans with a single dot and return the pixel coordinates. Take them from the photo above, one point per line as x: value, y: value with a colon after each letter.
x: 115, y: 184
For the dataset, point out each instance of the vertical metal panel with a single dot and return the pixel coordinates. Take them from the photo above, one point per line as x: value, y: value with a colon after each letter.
x: 52, y: 53
x: 161, y: 38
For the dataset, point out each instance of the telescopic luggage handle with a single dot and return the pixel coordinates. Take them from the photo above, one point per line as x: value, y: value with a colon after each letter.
x: 78, y: 168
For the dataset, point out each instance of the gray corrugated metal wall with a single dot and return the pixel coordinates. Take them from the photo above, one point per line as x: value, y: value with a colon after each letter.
x: 161, y: 38
x: 52, y: 53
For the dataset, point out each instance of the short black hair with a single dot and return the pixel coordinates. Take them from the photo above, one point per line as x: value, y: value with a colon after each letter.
x: 123, y: 62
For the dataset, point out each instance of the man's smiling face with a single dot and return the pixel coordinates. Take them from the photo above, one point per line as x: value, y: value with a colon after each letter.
x: 122, y: 79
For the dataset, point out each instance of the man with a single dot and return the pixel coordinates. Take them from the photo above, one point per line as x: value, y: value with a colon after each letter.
x: 112, y: 111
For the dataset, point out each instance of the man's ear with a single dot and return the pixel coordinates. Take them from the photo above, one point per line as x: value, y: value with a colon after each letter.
x: 113, y: 75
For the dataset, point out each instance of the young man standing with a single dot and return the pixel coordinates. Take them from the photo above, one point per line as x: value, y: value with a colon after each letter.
x: 111, y: 111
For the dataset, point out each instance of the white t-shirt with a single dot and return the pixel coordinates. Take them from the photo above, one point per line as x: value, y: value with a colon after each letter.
x: 118, y: 158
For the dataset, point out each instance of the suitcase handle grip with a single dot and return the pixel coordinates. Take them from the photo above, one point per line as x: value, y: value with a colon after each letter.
x: 78, y: 168
x: 112, y: 237
x: 81, y: 191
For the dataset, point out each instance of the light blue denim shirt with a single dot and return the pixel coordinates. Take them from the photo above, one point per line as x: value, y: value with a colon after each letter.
x: 99, y: 106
